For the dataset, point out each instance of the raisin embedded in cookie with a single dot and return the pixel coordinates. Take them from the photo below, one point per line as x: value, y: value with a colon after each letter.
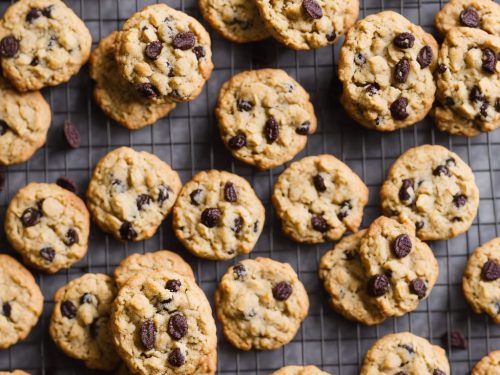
x: 131, y: 193
x: 264, y: 117
x: 165, y: 54
x: 478, y: 14
x: 218, y: 215
x: 300, y: 370
x: 481, y: 280
x: 261, y: 304
x: 318, y: 199
x: 80, y: 320
x: 306, y: 24
x: 346, y: 282
x: 24, y: 122
x: 386, y: 65
x: 488, y: 365
x: 48, y: 226
x: 21, y: 302
x: 468, y: 82
x: 42, y: 43
x: 405, y: 353
x: 116, y: 96
x: 162, y: 324
x: 236, y: 20
x: 432, y: 189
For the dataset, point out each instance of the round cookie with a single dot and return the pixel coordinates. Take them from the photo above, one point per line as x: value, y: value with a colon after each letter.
x: 24, y: 122
x: 300, y: 370
x: 236, y: 20
x: 165, y: 53
x: 42, y: 43
x: 405, y: 353
x: 162, y: 323
x: 433, y: 190
x: 264, y: 117
x: 21, y: 300
x: 306, y: 24
x: 345, y: 280
x: 468, y: 82
x: 131, y: 193
x: 261, y: 304
x: 318, y: 199
x: 482, y: 14
x: 48, y: 226
x: 489, y: 365
x: 151, y: 262
x: 386, y: 65
x: 117, y: 97
x: 80, y: 320
x: 402, y: 270
x: 218, y: 215
x: 481, y: 280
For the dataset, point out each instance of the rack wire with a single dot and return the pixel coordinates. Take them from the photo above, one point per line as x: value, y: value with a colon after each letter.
x: 188, y: 140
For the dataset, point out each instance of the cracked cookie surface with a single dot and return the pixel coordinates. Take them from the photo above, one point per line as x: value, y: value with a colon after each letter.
x: 21, y: 301
x: 131, y: 193
x: 165, y: 53
x: 80, y: 320
x: 386, y: 67
x: 319, y: 198
x: 300, y: 370
x: 261, y: 304
x: 432, y: 189
x: 48, y: 226
x: 264, y: 117
x: 218, y: 215
x: 488, y: 365
x: 42, y: 43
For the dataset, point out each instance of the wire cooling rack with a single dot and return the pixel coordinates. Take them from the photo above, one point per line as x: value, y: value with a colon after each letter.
x: 188, y: 140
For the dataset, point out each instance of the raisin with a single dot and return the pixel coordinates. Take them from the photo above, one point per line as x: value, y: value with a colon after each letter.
x: 256, y: 226
x: 48, y: 253
x: 3, y: 127
x: 68, y: 310
x: 30, y: 217
x: 238, y: 223
x: 349, y: 255
x: 9, y: 46
x: 359, y: 59
x: 143, y: 200
x: 162, y: 193
x: 67, y: 183
x: 184, y: 41
x: 177, y: 326
x: 237, y: 142
x: 372, y: 89
x: 303, y: 128
x: 345, y: 210
x: 195, y: 196
x: 398, y: 108
x: 319, y: 223
x: 230, y: 192
x: 244, y: 105
x: 441, y: 68
x: 87, y: 298
x: 153, y: 50
x: 33, y: 14
x: 35, y: 61
x: 282, y: 291
x: 94, y: 328
x: 469, y: 17
x: 71, y: 237
x: 71, y: 134
x: 199, y: 52
x: 147, y: 90
x: 483, y: 110
x: 319, y: 183
x: 210, y: 217
x: 441, y: 170
x: 6, y: 309
x: 418, y: 287
x: 451, y: 162
x: 459, y: 200
x: 176, y: 358
x: 497, y: 104
x: 489, y: 60
x: 491, y: 270
x: 127, y: 231
x: 47, y: 11
x: 409, y: 348
x: 449, y: 101
x: 271, y: 130
x: 147, y: 334
x: 402, y: 245
x: 404, y: 40
x: 173, y: 285
x: 402, y: 70
x: 331, y: 36
x: 455, y: 340
x: 239, y: 271
x: 313, y: 9
x: 378, y: 285
x: 476, y: 95
x: 424, y: 57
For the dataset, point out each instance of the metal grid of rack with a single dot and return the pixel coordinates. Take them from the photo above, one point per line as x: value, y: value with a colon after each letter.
x: 188, y: 140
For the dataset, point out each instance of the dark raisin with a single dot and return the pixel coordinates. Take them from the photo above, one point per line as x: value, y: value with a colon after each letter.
x: 378, y: 285
x: 33, y: 14
x: 483, y: 110
x: 147, y: 90
x: 303, y: 128
x: 441, y: 68
x: 3, y: 127
x: 230, y: 192
x: 143, y: 200
x: 237, y: 142
x: 271, y: 130
x: 153, y: 50
x: 147, y: 334
x: 239, y: 271
x: 48, y: 253
x: 71, y: 134
x: 451, y: 162
x: 449, y: 101
x: 244, y: 105
x: 469, y: 17
x: 331, y: 36
x: 9, y: 46
x: 491, y: 270
x: 162, y: 193
x: 67, y: 183
x: 47, y: 11
x: 489, y: 60
x: 359, y: 59
x: 441, y: 170
x: 238, y: 224
x: 210, y: 217
x: 404, y: 40
x: 184, y: 41
x: 94, y: 328
x: 177, y: 326
x: 173, y: 285
x: 372, y: 89
x: 31, y: 216
x: 456, y: 340
x: 6, y: 309
x: 398, y: 108
x: 438, y: 372
x: 349, y: 255
x: 195, y: 196
x: 497, y: 104
x: 476, y: 95
x: 424, y: 57
x: 256, y: 226
x: 199, y: 52
x: 319, y: 183
x: 345, y: 210
x: 419, y: 225
x: 176, y: 358
x: 459, y: 200
x: 68, y: 310
x: 402, y: 245
x: 127, y: 231
x: 87, y: 298
x: 282, y: 291
x: 402, y: 70
x: 313, y: 9
x: 319, y: 223
x: 409, y: 348
x: 71, y: 237
x: 418, y: 287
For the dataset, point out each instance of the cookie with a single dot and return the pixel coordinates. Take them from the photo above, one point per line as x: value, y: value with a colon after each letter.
x: 165, y: 53
x: 386, y: 67
x: 21, y: 300
x: 42, y: 43
x: 14, y: 372
x: 402, y: 270
x: 481, y: 280
x: 80, y: 320
x: 264, y: 117
x: 117, y: 97
x: 306, y: 24
x: 236, y: 20
x: 433, y: 190
x: 318, y: 199
x: 405, y: 353
x: 131, y: 192
x: 261, y: 304
x: 218, y: 215
x: 24, y: 122
x: 482, y: 14
x: 162, y: 324
x: 48, y: 226
x: 346, y: 282
x: 151, y: 262
x: 468, y: 82
x: 300, y: 370
x: 489, y: 365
